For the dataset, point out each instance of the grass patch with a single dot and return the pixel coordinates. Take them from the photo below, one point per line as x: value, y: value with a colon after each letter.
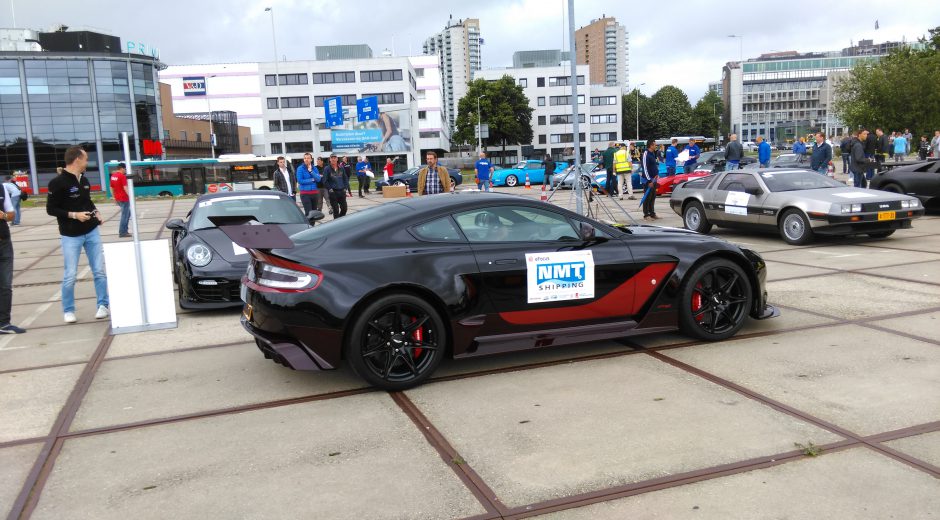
x: 809, y: 449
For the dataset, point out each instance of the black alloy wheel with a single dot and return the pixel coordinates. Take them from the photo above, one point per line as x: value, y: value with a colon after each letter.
x: 715, y: 300
x: 892, y: 187
x: 397, y: 342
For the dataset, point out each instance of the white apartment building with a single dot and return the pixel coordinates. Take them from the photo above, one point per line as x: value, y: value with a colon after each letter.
x: 433, y: 130
x: 548, y: 90
x: 229, y: 86
x: 294, y: 115
x: 458, y: 52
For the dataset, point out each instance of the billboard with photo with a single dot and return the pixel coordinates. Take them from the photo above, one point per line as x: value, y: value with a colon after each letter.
x: 390, y: 132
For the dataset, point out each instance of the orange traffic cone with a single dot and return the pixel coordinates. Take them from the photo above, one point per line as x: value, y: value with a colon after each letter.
x: 528, y: 185
x: 407, y: 190
x: 544, y: 197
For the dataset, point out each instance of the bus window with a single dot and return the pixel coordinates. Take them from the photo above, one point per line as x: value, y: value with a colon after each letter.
x: 144, y: 174
x: 167, y: 174
x: 244, y: 172
x: 216, y: 174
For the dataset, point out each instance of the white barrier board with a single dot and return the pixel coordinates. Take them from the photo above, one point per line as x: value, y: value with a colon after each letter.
x: 124, y: 289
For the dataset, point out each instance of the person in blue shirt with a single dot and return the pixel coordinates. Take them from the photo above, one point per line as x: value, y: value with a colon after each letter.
x: 763, y: 152
x: 799, y: 147
x: 484, y: 168
x: 694, y: 153
x: 671, y: 153
x: 900, y: 148
x: 308, y: 177
x: 362, y: 167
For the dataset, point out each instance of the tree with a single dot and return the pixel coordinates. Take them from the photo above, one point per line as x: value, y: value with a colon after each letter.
x: 504, y: 107
x: 628, y: 117
x: 670, y: 113
x: 706, y: 116
x: 897, y: 92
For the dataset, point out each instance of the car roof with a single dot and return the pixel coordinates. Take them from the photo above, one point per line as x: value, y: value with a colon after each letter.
x: 461, y: 199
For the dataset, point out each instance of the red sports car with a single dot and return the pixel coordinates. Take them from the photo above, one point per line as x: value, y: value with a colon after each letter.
x: 665, y: 185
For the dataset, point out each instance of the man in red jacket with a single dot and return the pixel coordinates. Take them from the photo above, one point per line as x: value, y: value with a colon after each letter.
x: 119, y: 191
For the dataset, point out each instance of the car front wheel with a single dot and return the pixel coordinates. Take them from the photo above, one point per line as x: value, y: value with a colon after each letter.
x: 715, y: 300
x: 512, y: 180
x: 694, y: 219
x: 397, y: 342
x: 795, y: 228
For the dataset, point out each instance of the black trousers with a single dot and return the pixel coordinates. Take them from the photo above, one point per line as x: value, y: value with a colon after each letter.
x: 338, y: 203
x: 649, y: 200
x: 311, y: 201
x: 363, y: 183
x: 6, y: 280
x: 611, y: 182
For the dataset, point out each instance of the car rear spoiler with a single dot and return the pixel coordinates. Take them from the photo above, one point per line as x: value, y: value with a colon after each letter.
x: 248, y: 233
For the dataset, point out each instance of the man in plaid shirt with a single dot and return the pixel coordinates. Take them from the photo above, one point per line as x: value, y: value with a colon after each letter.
x: 433, y: 179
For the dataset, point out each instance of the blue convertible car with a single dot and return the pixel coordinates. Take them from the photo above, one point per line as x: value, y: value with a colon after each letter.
x: 515, y: 176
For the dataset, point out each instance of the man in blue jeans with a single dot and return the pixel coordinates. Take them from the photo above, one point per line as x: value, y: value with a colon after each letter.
x: 70, y: 202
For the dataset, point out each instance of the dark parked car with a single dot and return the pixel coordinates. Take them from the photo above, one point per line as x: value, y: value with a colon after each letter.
x: 921, y: 180
x: 409, y: 178
x: 207, y: 265
x: 393, y: 289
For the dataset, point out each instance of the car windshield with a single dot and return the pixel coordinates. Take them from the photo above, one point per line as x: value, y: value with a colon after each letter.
x: 266, y: 209
x: 795, y: 181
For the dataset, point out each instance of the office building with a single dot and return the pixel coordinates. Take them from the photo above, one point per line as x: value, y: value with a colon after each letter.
x: 458, y: 51
x: 186, y: 136
x: 342, y: 52
x: 232, y: 87
x: 86, y: 92
x: 549, y: 92
x: 784, y: 95
x: 604, y: 46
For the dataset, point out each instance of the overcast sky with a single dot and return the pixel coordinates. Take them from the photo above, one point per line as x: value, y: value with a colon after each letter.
x: 685, y: 46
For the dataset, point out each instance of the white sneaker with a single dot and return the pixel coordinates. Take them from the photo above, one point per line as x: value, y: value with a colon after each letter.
x: 70, y: 317
x: 102, y: 313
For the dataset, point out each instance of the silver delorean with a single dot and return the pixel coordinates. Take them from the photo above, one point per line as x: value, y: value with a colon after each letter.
x: 799, y: 204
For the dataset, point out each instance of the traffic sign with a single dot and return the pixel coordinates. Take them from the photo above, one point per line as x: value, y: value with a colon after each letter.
x: 334, y: 111
x: 482, y: 131
x: 367, y: 108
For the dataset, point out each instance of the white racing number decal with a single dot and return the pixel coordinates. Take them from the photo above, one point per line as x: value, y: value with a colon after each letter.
x: 736, y: 203
x: 210, y: 202
x: 555, y: 276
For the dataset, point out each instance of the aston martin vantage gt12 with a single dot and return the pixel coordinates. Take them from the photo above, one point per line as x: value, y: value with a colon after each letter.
x: 393, y: 289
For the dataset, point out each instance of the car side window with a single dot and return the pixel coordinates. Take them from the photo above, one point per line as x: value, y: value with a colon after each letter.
x: 439, y: 230
x: 534, y: 166
x: 734, y: 182
x: 515, y: 224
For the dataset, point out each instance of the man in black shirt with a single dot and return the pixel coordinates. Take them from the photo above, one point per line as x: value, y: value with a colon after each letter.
x: 70, y: 202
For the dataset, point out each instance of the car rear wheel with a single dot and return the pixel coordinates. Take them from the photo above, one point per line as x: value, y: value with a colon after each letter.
x: 795, y: 229
x: 585, y: 183
x: 397, y: 342
x: 881, y: 234
x: 892, y: 187
x: 512, y: 180
x: 715, y: 300
x: 694, y: 219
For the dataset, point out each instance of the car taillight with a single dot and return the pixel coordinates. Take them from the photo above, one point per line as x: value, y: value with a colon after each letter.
x: 274, y: 274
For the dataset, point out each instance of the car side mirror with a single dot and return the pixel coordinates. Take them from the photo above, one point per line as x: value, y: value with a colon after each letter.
x: 314, y: 216
x: 176, y: 225
x: 586, y: 232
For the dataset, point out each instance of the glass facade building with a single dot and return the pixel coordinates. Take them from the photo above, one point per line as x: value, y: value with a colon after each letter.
x: 51, y: 101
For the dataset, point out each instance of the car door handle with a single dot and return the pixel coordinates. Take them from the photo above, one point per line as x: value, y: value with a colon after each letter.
x: 505, y: 261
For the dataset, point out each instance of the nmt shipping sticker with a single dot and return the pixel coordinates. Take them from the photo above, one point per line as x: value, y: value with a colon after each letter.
x: 559, y: 276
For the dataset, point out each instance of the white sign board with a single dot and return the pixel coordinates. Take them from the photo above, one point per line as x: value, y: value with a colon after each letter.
x: 736, y: 203
x: 556, y: 276
x: 124, y: 289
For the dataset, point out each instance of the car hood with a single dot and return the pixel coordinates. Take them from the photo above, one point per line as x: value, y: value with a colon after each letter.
x: 645, y: 229
x: 224, y: 247
x: 844, y: 195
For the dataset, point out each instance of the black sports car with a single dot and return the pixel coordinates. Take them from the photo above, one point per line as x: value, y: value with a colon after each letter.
x: 921, y: 180
x: 409, y: 178
x: 395, y: 288
x: 207, y: 265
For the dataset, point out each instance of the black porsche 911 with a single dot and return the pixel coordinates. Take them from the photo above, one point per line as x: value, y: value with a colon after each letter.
x: 921, y: 180
x: 207, y: 265
x: 393, y: 289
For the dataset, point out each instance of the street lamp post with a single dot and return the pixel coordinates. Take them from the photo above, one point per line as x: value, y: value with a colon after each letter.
x: 277, y: 82
x: 741, y: 48
x: 209, y: 106
x: 479, y: 125
x: 638, y: 110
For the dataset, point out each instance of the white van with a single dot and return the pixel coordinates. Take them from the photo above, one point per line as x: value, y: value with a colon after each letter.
x: 749, y: 146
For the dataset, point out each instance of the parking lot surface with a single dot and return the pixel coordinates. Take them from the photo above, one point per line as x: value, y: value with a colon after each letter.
x: 831, y: 410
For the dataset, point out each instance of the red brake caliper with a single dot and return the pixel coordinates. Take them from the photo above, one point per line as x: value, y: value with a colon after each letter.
x: 697, y: 301
x: 418, y: 335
